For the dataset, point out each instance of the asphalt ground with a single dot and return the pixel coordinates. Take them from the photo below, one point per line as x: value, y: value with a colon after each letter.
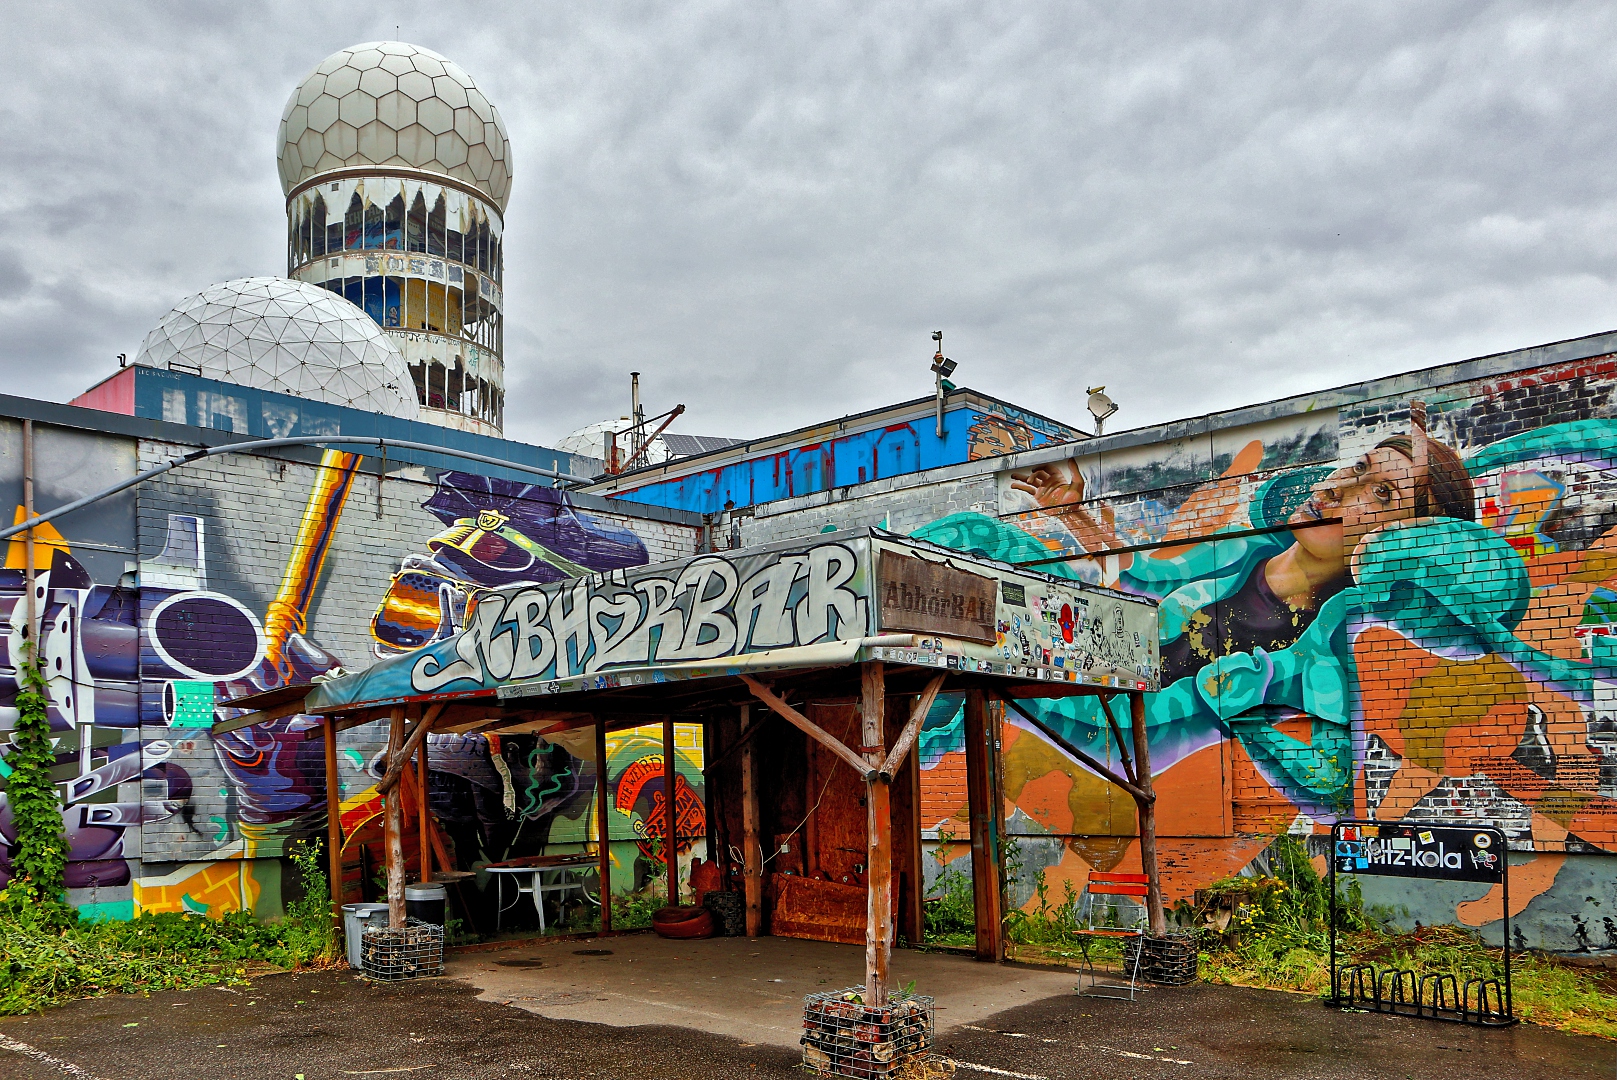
x: 328, y: 1025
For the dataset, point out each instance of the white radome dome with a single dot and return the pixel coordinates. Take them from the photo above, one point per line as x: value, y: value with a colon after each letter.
x: 286, y: 336
x: 592, y: 442
x: 388, y: 103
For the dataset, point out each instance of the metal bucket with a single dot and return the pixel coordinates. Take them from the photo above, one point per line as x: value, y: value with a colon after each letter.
x: 355, y: 917
x: 426, y: 902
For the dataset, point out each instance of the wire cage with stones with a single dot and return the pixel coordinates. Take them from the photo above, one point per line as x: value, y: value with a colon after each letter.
x: 395, y: 953
x: 842, y: 1036
x: 729, y: 912
x: 1167, y: 961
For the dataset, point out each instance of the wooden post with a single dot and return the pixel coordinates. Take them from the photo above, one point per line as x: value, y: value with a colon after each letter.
x: 908, y: 876
x: 878, y: 834
x: 424, y: 811
x: 603, y: 828
x: 752, y: 854
x: 333, y: 822
x: 811, y: 825
x: 1147, y: 809
x: 670, y: 812
x: 393, y: 827
x: 980, y: 788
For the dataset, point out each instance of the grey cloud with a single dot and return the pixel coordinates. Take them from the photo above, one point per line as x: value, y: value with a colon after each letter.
x: 768, y: 208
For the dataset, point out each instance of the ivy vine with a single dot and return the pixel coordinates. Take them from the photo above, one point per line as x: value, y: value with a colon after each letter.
x: 39, y: 860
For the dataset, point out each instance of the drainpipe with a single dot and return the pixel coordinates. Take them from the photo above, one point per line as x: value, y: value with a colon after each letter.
x: 31, y: 610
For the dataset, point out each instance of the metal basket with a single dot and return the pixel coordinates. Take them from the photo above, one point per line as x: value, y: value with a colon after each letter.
x: 842, y: 1036
x: 1168, y: 961
x: 729, y: 912
x: 412, y: 951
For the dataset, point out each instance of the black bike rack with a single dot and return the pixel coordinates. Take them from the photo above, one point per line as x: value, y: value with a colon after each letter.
x: 1483, y: 1002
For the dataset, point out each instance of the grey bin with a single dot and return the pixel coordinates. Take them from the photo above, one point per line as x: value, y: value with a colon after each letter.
x: 426, y: 902
x: 355, y: 917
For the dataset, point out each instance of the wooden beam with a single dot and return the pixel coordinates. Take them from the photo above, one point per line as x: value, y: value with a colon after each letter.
x: 399, y: 760
x: 752, y: 855
x: 1117, y: 738
x: 333, y: 823
x: 262, y: 716
x: 407, y: 786
x: 984, y: 848
x: 1147, y: 809
x: 860, y: 766
x: 733, y: 749
x: 878, y: 835
x: 670, y: 811
x: 392, y: 827
x: 912, y: 730
x: 424, y: 810
x: 603, y: 829
x: 1091, y: 763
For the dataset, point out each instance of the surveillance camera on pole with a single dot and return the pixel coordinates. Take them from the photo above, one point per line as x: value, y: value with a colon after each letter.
x: 942, y: 367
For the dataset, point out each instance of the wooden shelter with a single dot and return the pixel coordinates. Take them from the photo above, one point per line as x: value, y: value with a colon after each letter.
x: 812, y: 666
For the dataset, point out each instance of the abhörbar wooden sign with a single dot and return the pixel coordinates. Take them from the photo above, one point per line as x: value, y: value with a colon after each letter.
x: 933, y: 598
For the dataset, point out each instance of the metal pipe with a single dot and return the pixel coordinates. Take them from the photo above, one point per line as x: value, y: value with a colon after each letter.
x: 29, y: 567
x: 270, y: 444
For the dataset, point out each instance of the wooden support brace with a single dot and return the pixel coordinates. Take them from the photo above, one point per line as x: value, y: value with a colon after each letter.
x: 262, y: 716
x: 408, y: 787
x: 860, y: 766
x: 1094, y: 766
x: 423, y: 810
x: 912, y: 730
x: 399, y: 759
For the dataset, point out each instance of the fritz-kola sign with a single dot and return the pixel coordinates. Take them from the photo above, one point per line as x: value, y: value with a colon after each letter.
x: 1425, y: 851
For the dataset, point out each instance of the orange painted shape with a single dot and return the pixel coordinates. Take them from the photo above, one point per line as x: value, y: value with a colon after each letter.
x: 1045, y: 800
x: 1527, y: 881
x: 1190, y: 794
x: 1300, y: 728
x: 46, y: 538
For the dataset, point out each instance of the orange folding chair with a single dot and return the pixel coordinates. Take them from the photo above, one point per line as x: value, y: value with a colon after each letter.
x: 1112, y: 921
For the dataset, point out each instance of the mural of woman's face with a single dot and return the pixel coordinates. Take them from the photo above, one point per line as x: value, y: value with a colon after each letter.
x: 1376, y: 489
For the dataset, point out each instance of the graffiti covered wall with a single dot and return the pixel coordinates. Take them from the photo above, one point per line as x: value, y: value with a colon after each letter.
x: 1394, y: 601
x: 241, y: 573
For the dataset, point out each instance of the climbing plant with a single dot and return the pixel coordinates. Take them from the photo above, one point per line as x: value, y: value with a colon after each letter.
x: 40, y: 859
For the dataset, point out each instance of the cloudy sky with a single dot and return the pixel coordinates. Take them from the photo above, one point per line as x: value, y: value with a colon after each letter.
x: 767, y: 208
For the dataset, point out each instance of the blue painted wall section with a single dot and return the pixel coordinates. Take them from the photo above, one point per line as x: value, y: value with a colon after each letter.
x: 818, y: 464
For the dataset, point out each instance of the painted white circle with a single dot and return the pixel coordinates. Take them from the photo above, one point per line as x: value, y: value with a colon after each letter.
x: 165, y: 653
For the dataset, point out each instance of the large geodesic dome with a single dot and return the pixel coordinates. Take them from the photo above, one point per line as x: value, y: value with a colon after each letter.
x: 287, y: 336
x: 392, y: 104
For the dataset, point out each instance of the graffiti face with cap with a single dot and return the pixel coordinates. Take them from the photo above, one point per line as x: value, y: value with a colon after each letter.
x: 1376, y: 489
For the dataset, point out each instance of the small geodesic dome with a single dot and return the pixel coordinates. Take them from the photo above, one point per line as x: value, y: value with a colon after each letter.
x: 286, y: 336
